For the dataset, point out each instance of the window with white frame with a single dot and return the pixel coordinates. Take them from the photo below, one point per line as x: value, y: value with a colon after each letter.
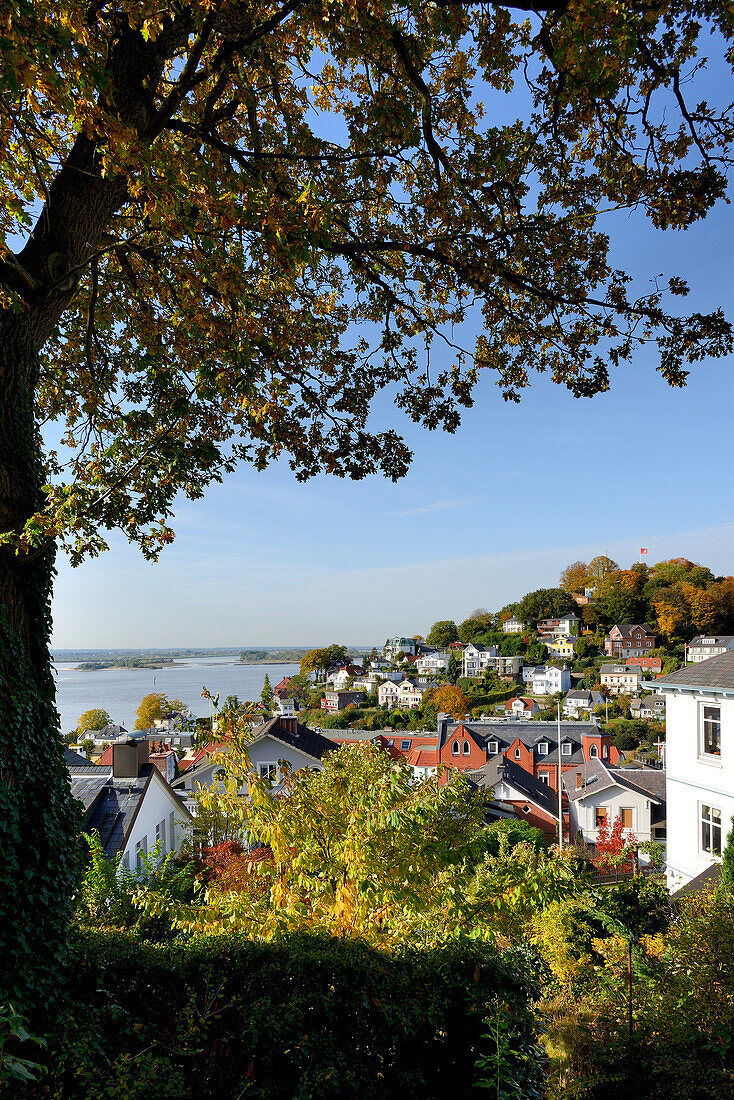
x: 593, y: 751
x: 710, y: 730
x: 493, y: 747
x: 268, y: 771
x: 141, y: 851
x: 566, y: 748
x: 467, y: 750
x: 710, y: 829
x: 455, y: 748
x: 543, y: 748
x: 517, y: 754
x: 160, y: 834
x: 544, y: 777
x: 171, y: 830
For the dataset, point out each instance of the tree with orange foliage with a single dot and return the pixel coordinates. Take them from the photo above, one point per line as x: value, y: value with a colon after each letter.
x: 574, y: 577
x: 451, y: 700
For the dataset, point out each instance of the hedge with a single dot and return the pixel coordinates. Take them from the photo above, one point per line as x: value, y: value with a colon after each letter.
x: 301, y: 1017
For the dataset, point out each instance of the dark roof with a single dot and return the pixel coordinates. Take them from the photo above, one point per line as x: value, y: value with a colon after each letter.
x: 112, y: 809
x: 529, y: 733
x: 716, y: 672
x: 76, y: 760
x: 496, y: 771
x: 594, y: 774
x: 305, y: 739
x: 598, y: 776
x: 86, y: 788
x: 707, y: 878
x: 650, y: 781
x: 625, y: 629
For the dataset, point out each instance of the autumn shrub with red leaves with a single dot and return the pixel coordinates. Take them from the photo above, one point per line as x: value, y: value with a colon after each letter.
x: 231, y: 868
x: 613, y: 848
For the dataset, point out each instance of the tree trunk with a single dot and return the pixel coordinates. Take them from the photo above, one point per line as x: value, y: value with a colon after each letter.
x: 39, y: 821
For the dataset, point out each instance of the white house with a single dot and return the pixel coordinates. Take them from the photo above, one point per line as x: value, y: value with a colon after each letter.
x: 581, y: 702
x: 513, y: 626
x: 521, y: 707
x: 130, y: 805
x: 549, y: 680
x: 598, y: 794
x: 274, y: 741
x: 699, y: 764
x: 398, y: 647
x: 704, y: 646
x: 410, y: 694
x: 621, y: 679
x: 388, y: 694
x: 477, y: 658
x: 433, y: 661
x: 563, y: 625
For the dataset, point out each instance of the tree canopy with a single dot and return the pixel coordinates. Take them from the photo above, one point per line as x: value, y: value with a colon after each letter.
x: 152, y: 706
x: 442, y: 633
x: 204, y: 203
x: 94, y: 719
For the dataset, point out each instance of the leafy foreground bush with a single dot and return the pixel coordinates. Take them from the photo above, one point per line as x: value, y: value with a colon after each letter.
x: 299, y: 1017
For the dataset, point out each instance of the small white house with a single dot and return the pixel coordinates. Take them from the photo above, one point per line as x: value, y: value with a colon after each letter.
x: 513, y: 626
x: 549, y: 680
x: 477, y: 658
x: 704, y: 646
x: 581, y: 702
x: 388, y: 694
x: 130, y: 805
x: 432, y: 662
x: 598, y: 794
x: 621, y: 679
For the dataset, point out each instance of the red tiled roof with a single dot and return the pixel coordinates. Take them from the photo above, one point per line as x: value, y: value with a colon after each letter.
x: 106, y: 758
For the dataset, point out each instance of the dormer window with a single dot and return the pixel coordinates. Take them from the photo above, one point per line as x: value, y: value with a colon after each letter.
x: 467, y: 750
x: 593, y: 751
x: 455, y: 748
x: 566, y: 748
x: 493, y: 747
x: 543, y: 748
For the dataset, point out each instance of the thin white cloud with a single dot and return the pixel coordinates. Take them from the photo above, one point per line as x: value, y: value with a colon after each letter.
x: 437, y: 506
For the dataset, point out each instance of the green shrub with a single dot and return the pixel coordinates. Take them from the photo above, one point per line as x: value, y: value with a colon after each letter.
x: 300, y: 1017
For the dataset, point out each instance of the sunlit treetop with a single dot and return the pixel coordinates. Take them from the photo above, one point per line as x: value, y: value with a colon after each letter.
x: 226, y: 225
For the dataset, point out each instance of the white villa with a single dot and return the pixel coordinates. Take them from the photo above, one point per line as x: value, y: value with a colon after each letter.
x: 477, y: 658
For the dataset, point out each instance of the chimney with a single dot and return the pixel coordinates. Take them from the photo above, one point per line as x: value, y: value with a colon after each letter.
x: 128, y: 757
x: 289, y: 724
x: 579, y: 780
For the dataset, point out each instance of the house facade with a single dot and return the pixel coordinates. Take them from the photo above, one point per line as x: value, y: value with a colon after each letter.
x: 653, y: 665
x: 704, y: 646
x: 564, y: 625
x: 581, y: 702
x: 549, y: 680
x: 620, y: 679
x: 334, y: 701
x: 432, y: 661
x: 699, y: 764
x: 513, y: 626
x: 521, y: 707
x: 563, y: 646
x: 628, y: 640
x: 477, y: 658
x: 398, y: 647
x: 598, y: 794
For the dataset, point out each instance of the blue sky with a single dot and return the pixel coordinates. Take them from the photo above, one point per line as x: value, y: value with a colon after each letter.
x: 483, y: 516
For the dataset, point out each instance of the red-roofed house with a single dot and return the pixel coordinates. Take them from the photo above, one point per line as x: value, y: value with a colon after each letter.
x: 522, y: 707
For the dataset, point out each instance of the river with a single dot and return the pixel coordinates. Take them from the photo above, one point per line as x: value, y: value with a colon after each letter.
x: 119, y: 690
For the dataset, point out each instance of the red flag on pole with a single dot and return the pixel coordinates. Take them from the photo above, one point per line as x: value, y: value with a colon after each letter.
x: 643, y: 549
